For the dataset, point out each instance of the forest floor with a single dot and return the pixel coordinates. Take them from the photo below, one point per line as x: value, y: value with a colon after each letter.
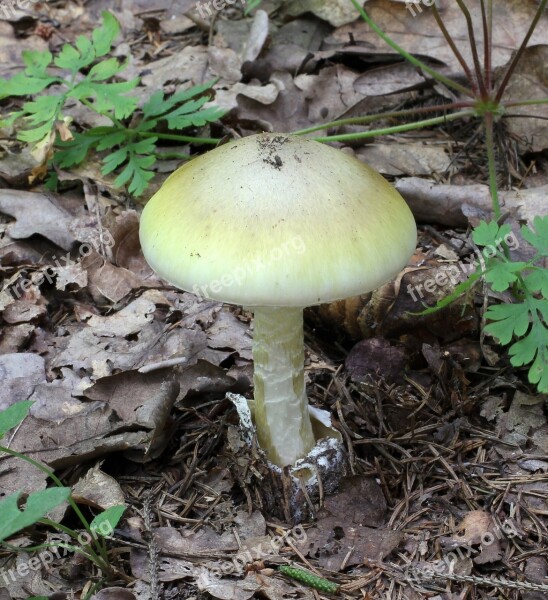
x: 445, y: 487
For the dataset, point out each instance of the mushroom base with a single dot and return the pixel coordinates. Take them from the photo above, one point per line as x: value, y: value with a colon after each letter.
x: 322, y: 468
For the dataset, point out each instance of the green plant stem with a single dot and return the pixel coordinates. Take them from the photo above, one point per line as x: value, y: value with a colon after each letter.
x: 414, y: 61
x: 387, y: 115
x: 165, y: 136
x: 491, y: 163
x: 99, y: 543
x: 396, y: 129
x: 100, y: 560
x: 473, y: 48
x: 53, y: 477
x: 168, y: 155
x: 517, y: 56
x: 526, y: 102
x: 94, y: 559
x: 175, y: 137
x: 90, y: 105
x: 449, y: 39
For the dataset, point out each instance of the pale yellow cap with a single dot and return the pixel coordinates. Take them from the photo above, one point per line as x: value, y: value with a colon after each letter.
x: 277, y: 220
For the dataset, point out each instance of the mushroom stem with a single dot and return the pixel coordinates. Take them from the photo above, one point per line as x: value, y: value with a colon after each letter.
x: 283, y: 424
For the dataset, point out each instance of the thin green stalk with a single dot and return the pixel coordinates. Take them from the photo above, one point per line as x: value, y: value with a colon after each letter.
x: 414, y: 61
x: 517, y: 56
x: 449, y: 39
x: 171, y: 155
x: 526, y: 102
x: 510, y: 115
x: 491, y: 163
x: 397, y: 129
x: 90, y: 105
x: 55, y: 480
x: 100, y: 546
x: 177, y: 138
x: 387, y: 115
x: 39, y: 547
x: 473, y: 48
x: 100, y: 560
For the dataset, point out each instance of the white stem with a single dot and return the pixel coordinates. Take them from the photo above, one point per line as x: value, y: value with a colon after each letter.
x: 283, y: 424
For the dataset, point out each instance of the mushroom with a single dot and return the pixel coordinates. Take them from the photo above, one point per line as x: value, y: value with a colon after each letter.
x: 277, y: 223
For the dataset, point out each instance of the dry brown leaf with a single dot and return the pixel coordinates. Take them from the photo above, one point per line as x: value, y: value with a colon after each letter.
x: 335, y: 12
x: 293, y: 44
x: 19, y: 373
x: 445, y: 204
x: 529, y: 82
x: 524, y: 419
x: 511, y: 20
x: 349, y: 527
x: 62, y: 430
x: 386, y: 80
x: 107, y: 282
x: 406, y: 158
x: 226, y: 589
x: 53, y: 223
x: 98, y: 490
x: 14, y: 338
x: 167, y: 568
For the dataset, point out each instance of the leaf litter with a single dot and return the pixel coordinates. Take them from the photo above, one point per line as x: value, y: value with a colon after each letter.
x: 447, y: 460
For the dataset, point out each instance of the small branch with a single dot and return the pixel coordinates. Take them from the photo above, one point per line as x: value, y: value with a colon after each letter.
x: 487, y: 22
x: 177, y: 138
x: 449, y: 39
x: 397, y: 129
x: 474, y: 48
x: 527, y: 102
x: 388, y: 115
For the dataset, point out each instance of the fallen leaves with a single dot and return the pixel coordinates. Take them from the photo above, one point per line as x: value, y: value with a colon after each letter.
x: 350, y: 528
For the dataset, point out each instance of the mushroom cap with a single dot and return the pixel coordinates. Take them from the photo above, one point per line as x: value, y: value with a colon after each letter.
x: 277, y: 220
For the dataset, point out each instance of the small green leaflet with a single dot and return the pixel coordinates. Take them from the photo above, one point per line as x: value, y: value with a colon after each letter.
x: 490, y: 234
x: 135, y: 149
x: 77, y: 73
x: 38, y: 504
x: 105, y: 522
x: 536, y: 280
x: 42, y: 70
x: 501, y: 274
x: 138, y: 158
x: 526, y: 320
x: 181, y: 110
x: 522, y: 324
x: 12, y: 416
x: 538, y: 238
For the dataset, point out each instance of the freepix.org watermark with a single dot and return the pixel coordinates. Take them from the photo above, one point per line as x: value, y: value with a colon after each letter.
x: 294, y: 246
x: 415, y: 6
x: 38, y: 278
x: 455, y: 273
x: 268, y: 547
x: 446, y: 565
x: 47, y: 556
